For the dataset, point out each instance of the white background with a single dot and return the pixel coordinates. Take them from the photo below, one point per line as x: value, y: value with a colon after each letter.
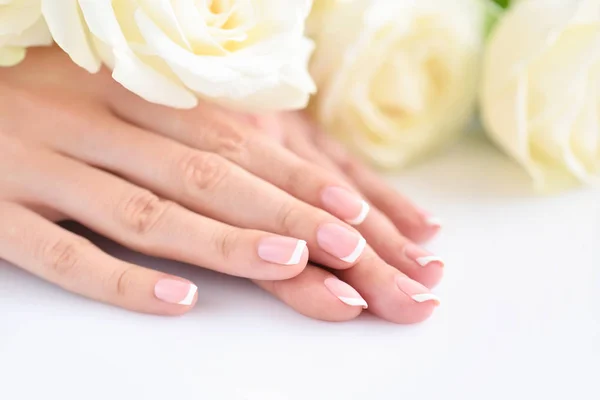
x: 520, y: 317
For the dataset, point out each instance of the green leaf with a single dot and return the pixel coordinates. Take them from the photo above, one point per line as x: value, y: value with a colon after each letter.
x: 493, y: 13
x: 503, y: 3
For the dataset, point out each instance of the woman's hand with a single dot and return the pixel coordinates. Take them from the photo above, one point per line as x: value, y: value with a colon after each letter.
x: 194, y: 186
x: 393, y: 225
x: 393, y: 222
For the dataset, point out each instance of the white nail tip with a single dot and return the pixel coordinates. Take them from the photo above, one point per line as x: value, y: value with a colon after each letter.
x: 422, y: 298
x: 425, y: 261
x: 354, y: 302
x: 433, y: 221
x: 364, y: 211
x: 360, y: 247
x: 297, y: 254
x: 189, y: 299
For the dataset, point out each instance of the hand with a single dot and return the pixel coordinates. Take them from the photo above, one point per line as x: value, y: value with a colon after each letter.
x: 394, y: 287
x: 392, y: 227
x: 65, y: 155
x: 193, y: 186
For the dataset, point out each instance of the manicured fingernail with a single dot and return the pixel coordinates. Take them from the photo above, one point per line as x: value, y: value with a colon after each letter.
x: 430, y: 220
x: 415, y: 290
x: 422, y: 257
x: 346, y: 293
x: 345, y: 204
x: 282, y: 250
x: 340, y: 242
x: 434, y: 222
x: 422, y: 298
x: 175, y: 292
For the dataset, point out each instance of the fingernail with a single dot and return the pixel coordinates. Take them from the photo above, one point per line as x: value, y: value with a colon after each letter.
x: 281, y: 250
x: 422, y: 298
x: 434, y: 222
x: 422, y: 257
x: 430, y: 220
x: 345, y: 204
x: 346, y: 293
x: 175, y: 292
x: 341, y: 242
x: 415, y: 290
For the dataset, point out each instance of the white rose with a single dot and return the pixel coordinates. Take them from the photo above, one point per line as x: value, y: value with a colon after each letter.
x: 249, y: 54
x: 21, y: 26
x: 541, y: 89
x: 398, y: 78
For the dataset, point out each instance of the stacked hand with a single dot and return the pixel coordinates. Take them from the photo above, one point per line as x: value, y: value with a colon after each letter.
x: 265, y: 198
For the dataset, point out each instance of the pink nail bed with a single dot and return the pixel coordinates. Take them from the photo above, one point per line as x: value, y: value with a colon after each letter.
x: 422, y: 257
x: 345, y: 204
x: 341, y: 242
x: 282, y: 250
x: 346, y: 293
x: 415, y: 290
x: 175, y: 292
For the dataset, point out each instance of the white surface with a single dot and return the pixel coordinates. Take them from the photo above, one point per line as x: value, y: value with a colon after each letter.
x: 520, y: 317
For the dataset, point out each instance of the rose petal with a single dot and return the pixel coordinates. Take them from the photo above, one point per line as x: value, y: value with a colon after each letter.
x: 70, y: 33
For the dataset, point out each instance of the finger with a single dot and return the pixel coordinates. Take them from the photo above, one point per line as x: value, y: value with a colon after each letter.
x: 412, y: 221
x: 216, y: 188
x: 317, y: 294
x: 378, y: 230
x: 215, y: 130
x: 140, y: 220
x: 390, y: 294
x: 400, y: 252
x: 298, y: 138
x: 65, y: 259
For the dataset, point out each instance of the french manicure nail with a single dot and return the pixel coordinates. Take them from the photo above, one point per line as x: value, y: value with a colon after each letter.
x: 175, y: 292
x: 422, y: 298
x: 422, y: 257
x: 281, y: 250
x: 434, y: 222
x: 345, y: 204
x: 430, y: 220
x: 415, y: 290
x: 340, y: 242
x: 346, y: 293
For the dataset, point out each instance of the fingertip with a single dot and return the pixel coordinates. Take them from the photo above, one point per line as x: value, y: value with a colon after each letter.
x: 426, y: 228
x: 292, y: 270
x: 421, y: 265
x: 345, y: 293
x: 341, y: 242
x: 280, y: 258
x: 419, y: 302
x: 172, y: 296
x: 309, y: 295
x: 175, y: 311
x: 390, y: 294
x: 402, y: 309
x: 405, y: 310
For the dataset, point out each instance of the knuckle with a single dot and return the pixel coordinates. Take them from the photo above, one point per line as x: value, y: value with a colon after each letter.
x: 227, y: 242
x: 296, y: 179
x: 203, y: 171
x: 230, y: 139
x: 65, y: 256
x: 141, y: 212
x: 287, y: 217
x: 347, y: 164
x: 122, y: 280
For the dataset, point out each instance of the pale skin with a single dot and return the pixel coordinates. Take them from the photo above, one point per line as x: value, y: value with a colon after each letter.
x: 234, y: 193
